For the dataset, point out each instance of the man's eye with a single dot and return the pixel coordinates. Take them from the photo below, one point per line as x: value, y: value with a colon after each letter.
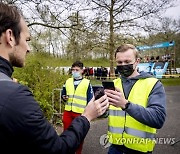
x: 27, y: 40
x: 127, y: 62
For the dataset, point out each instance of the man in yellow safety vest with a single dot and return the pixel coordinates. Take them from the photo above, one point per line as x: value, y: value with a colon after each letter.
x: 137, y: 106
x: 77, y: 92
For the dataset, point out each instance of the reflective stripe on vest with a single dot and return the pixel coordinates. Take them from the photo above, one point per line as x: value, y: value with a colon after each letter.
x: 123, y: 127
x: 78, y: 97
x: 77, y: 105
x: 116, y: 112
x: 131, y: 131
x: 77, y: 100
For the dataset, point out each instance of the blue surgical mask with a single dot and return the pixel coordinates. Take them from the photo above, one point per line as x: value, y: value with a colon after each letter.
x: 76, y: 75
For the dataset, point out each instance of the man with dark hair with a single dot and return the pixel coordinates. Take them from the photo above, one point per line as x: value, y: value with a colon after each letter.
x: 137, y: 106
x: 77, y: 64
x: 77, y: 92
x: 23, y: 128
x: 11, y: 22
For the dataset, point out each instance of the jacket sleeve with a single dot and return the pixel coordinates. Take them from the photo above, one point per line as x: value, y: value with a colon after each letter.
x: 37, y: 131
x: 155, y: 112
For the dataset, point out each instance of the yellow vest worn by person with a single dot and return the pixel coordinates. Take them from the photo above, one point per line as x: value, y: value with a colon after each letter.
x: 77, y: 100
x: 124, y: 129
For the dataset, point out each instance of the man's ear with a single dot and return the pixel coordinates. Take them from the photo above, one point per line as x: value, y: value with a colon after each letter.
x: 10, y: 38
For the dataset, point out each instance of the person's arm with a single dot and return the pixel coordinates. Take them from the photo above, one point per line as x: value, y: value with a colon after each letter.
x: 155, y: 112
x: 39, y: 133
x: 90, y: 93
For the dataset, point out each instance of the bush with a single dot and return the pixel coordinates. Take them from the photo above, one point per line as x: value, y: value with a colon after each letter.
x: 41, y: 82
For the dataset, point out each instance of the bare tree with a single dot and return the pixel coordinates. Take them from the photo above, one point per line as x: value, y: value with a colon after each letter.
x: 126, y: 17
x: 106, y: 23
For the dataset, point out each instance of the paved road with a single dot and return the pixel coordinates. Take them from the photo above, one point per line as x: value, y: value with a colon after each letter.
x: 169, y: 133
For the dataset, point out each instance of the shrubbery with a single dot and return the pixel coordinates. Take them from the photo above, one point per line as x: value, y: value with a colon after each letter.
x: 41, y: 82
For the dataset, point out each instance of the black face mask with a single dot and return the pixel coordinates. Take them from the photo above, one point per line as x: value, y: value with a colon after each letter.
x: 125, y: 70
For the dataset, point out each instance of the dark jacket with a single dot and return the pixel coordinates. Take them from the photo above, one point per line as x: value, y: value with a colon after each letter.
x: 24, y: 129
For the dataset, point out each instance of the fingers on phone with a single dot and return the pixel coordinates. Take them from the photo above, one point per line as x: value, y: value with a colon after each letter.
x: 105, y: 104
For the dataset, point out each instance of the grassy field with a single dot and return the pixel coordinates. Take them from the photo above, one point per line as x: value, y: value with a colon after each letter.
x: 47, y: 60
x: 165, y: 82
x: 171, y: 82
x: 51, y: 61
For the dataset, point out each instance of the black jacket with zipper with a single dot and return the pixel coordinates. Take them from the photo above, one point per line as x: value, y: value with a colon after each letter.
x: 24, y: 129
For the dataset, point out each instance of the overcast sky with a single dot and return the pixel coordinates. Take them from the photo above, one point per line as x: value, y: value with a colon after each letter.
x: 174, y: 12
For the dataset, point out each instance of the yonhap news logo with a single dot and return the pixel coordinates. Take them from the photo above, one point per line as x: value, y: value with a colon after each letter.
x: 104, y: 141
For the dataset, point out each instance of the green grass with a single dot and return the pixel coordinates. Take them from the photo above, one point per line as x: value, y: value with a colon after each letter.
x: 165, y: 82
x: 96, y: 82
x: 96, y: 62
x: 171, y: 82
x: 51, y: 61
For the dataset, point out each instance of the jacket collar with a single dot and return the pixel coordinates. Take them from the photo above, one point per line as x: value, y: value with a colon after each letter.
x: 6, y: 67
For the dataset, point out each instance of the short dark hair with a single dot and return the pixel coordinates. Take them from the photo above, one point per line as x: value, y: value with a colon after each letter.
x: 125, y: 47
x: 10, y: 18
x: 78, y: 64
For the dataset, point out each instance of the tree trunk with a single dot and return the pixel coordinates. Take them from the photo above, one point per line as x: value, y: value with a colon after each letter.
x: 111, y: 40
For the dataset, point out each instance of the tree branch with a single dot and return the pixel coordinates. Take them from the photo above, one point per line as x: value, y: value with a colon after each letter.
x: 50, y: 26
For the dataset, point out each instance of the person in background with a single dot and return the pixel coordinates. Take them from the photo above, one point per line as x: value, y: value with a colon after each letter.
x: 77, y: 93
x: 23, y: 127
x: 137, y: 106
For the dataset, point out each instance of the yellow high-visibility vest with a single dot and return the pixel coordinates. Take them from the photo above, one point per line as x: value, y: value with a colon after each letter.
x: 77, y: 100
x: 124, y: 129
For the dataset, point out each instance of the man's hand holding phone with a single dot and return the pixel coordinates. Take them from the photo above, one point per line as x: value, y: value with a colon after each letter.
x: 96, y: 108
x: 116, y: 97
x: 98, y: 94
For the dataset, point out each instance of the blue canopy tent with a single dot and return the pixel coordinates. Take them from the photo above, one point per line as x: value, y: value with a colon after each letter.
x: 156, y: 68
x: 158, y: 45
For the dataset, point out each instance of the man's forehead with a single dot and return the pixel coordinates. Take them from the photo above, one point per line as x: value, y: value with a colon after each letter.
x: 127, y: 54
x: 24, y: 26
x: 76, y: 67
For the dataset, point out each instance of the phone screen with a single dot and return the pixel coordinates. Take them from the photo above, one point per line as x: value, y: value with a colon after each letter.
x: 99, y: 93
x: 108, y: 85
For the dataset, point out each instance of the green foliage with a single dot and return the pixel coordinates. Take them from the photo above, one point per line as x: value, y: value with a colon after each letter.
x: 41, y: 82
x: 45, y: 83
x: 96, y: 62
x: 165, y: 82
x: 49, y: 60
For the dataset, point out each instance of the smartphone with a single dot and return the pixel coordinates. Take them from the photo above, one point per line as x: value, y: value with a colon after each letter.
x: 99, y: 93
x: 108, y: 85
